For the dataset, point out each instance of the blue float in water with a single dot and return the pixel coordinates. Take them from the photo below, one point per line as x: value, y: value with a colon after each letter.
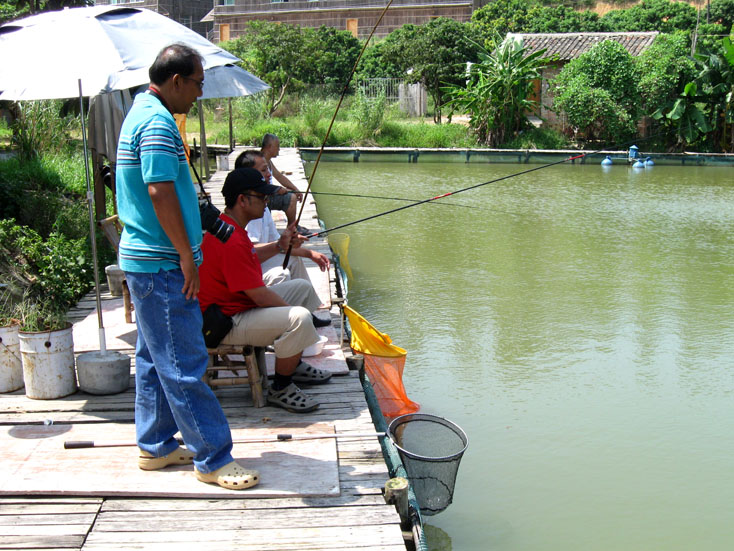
x: 649, y: 162
x: 607, y: 161
x: 638, y: 164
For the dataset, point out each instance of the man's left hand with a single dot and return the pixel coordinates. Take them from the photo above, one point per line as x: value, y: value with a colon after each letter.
x: 291, y: 238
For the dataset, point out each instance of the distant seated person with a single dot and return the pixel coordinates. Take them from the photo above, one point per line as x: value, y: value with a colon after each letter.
x: 283, y: 200
x: 263, y: 230
x: 279, y: 315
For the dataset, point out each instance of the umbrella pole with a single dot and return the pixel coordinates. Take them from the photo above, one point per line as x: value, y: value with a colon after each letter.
x: 92, y: 228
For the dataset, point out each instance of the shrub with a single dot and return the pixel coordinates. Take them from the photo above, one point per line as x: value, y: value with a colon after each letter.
x: 40, y: 128
x: 598, y: 92
x: 369, y: 113
x: 57, y: 268
x: 538, y: 138
x: 46, y: 194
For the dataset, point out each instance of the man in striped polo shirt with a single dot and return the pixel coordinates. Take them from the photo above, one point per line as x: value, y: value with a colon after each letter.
x: 160, y: 253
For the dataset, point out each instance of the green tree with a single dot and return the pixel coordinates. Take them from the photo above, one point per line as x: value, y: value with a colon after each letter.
x: 434, y: 53
x: 561, y: 19
x: 710, y: 96
x: 722, y: 12
x: 335, y: 52
x: 496, y: 19
x: 378, y: 60
x: 15, y: 9
x: 598, y: 92
x: 663, y: 69
x: 652, y: 15
x: 279, y: 54
x: 497, y: 94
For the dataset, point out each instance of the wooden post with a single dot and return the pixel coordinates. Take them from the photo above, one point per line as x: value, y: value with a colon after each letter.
x: 231, y: 133
x: 355, y: 362
x: 202, y: 135
x: 396, y: 493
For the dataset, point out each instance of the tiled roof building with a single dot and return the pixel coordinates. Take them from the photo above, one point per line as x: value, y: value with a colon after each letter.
x: 568, y: 46
x: 563, y: 47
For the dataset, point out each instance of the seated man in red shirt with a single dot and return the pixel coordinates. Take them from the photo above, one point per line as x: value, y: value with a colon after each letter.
x: 280, y: 315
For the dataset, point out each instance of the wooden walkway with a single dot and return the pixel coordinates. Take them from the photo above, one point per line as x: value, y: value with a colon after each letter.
x: 357, y: 518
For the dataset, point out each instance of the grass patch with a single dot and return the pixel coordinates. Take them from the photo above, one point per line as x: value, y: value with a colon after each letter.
x: 539, y: 138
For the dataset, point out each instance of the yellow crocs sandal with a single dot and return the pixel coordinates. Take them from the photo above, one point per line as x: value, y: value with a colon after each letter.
x: 232, y: 476
x: 181, y: 456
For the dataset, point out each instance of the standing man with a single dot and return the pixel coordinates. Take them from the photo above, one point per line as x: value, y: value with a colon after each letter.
x: 159, y: 253
x: 282, y: 200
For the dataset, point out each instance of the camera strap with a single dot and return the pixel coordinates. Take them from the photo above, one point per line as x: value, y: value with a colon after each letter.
x: 198, y: 179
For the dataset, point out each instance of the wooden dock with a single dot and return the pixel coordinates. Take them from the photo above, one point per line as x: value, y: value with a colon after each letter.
x: 50, y: 515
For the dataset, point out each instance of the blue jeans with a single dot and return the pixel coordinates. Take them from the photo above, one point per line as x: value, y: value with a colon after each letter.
x: 170, y: 361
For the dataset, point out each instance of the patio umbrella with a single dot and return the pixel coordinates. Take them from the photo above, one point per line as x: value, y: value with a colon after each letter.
x: 107, y: 47
x: 230, y: 81
x: 85, y: 52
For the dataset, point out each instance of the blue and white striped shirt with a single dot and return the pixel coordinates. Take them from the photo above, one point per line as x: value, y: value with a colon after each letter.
x: 150, y: 151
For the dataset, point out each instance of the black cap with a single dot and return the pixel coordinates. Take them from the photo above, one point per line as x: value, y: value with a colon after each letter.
x: 241, y: 180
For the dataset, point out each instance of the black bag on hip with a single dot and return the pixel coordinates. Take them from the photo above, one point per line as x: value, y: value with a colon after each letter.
x: 216, y: 326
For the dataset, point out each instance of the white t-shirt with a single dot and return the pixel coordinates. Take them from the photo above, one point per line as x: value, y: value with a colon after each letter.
x: 263, y: 230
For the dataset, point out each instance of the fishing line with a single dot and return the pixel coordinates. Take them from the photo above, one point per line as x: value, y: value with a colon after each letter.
x: 331, y: 124
x: 500, y: 179
x: 405, y: 199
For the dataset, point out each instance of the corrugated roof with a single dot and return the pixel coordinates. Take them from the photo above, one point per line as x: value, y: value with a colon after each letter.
x: 568, y: 46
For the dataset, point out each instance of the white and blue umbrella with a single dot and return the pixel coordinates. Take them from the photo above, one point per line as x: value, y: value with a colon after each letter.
x: 106, y: 47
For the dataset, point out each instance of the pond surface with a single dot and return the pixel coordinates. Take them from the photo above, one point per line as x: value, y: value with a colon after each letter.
x: 578, y: 324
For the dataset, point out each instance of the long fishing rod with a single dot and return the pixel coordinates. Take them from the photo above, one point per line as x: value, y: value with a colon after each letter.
x: 331, y: 124
x: 82, y: 444
x: 404, y: 199
x: 451, y: 193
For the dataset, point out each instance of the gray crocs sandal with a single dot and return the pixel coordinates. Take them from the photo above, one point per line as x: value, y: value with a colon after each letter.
x: 292, y: 399
x: 308, y: 374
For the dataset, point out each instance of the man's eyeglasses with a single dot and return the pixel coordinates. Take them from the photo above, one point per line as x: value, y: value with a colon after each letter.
x: 199, y: 83
x: 262, y: 198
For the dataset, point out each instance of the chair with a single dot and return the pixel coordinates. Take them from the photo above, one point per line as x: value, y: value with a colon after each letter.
x: 220, y: 360
x: 112, y: 228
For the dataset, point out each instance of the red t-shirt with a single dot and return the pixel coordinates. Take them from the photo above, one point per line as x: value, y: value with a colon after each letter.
x: 228, y: 270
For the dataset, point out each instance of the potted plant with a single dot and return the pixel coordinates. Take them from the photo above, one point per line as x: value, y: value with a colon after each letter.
x: 11, y: 369
x: 46, y: 349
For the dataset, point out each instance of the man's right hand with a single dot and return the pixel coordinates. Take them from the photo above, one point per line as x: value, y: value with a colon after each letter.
x: 191, y: 278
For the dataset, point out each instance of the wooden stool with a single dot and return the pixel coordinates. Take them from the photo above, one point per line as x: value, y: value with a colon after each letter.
x: 253, y: 363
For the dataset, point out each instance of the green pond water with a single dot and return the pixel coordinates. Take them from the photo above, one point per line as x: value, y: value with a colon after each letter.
x: 578, y: 325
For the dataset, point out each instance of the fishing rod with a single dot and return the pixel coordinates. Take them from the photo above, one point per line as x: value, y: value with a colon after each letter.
x: 331, y: 124
x: 82, y: 444
x: 405, y: 199
x: 451, y: 193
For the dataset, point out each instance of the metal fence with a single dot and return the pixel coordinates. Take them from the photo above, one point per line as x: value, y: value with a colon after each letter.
x: 373, y: 87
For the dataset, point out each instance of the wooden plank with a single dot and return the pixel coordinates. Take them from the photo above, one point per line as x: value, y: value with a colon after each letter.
x: 153, y: 505
x: 256, y: 539
x: 41, y: 542
x: 36, y: 463
x: 176, y: 520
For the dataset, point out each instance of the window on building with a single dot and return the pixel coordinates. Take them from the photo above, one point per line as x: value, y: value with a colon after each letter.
x: 226, y: 2
x: 223, y: 32
x: 186, y: 21
x: 352, y: 25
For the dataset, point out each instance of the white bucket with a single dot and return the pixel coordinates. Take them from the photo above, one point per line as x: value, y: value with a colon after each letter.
x: 48, y: 363
x: 222, y: 162
x: 115, y: 277
x: 11, y: 368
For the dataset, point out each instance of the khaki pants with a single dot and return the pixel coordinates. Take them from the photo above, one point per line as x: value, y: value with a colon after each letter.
x: 273, y: 271
x: 288, y: 328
